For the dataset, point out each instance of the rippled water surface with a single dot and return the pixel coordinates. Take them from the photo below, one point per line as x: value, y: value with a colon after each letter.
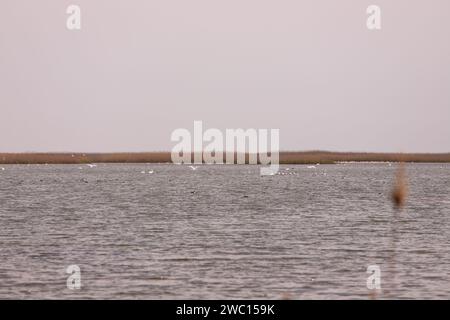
x: 222, y: 232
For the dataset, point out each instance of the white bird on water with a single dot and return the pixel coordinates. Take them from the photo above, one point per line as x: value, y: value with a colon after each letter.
x: 3, y: 169
x: 91, y: 165
x: 193, y: 168
x: 311, y: 167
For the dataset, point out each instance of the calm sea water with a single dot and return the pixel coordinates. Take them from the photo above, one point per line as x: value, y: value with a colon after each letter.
x: 222, y: 232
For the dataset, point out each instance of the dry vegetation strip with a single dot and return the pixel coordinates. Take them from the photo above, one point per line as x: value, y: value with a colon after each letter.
x: 306, y: 157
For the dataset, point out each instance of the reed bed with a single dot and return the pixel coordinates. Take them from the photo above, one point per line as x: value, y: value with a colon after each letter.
x: 291, y: 157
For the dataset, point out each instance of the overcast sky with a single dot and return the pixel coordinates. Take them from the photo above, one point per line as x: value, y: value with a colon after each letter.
x: 137, y: 70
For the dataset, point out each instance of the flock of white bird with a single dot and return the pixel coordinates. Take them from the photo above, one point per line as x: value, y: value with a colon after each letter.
x: 289, y: 173
x: 285, y: 172
x: 152, y: 171
x: 91, y: 165
x: 193, y: 168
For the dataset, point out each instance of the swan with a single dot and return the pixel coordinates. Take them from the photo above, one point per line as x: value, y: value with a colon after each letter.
x: 91, y: 165
x: 193, y: 168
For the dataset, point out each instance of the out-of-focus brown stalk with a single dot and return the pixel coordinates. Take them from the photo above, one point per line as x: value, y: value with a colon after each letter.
x: 400, y: 191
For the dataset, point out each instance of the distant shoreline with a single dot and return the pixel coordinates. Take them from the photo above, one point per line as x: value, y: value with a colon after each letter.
x: 286, y: 157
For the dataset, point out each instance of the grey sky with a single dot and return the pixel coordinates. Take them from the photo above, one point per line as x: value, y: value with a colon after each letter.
x: 140, y: 69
